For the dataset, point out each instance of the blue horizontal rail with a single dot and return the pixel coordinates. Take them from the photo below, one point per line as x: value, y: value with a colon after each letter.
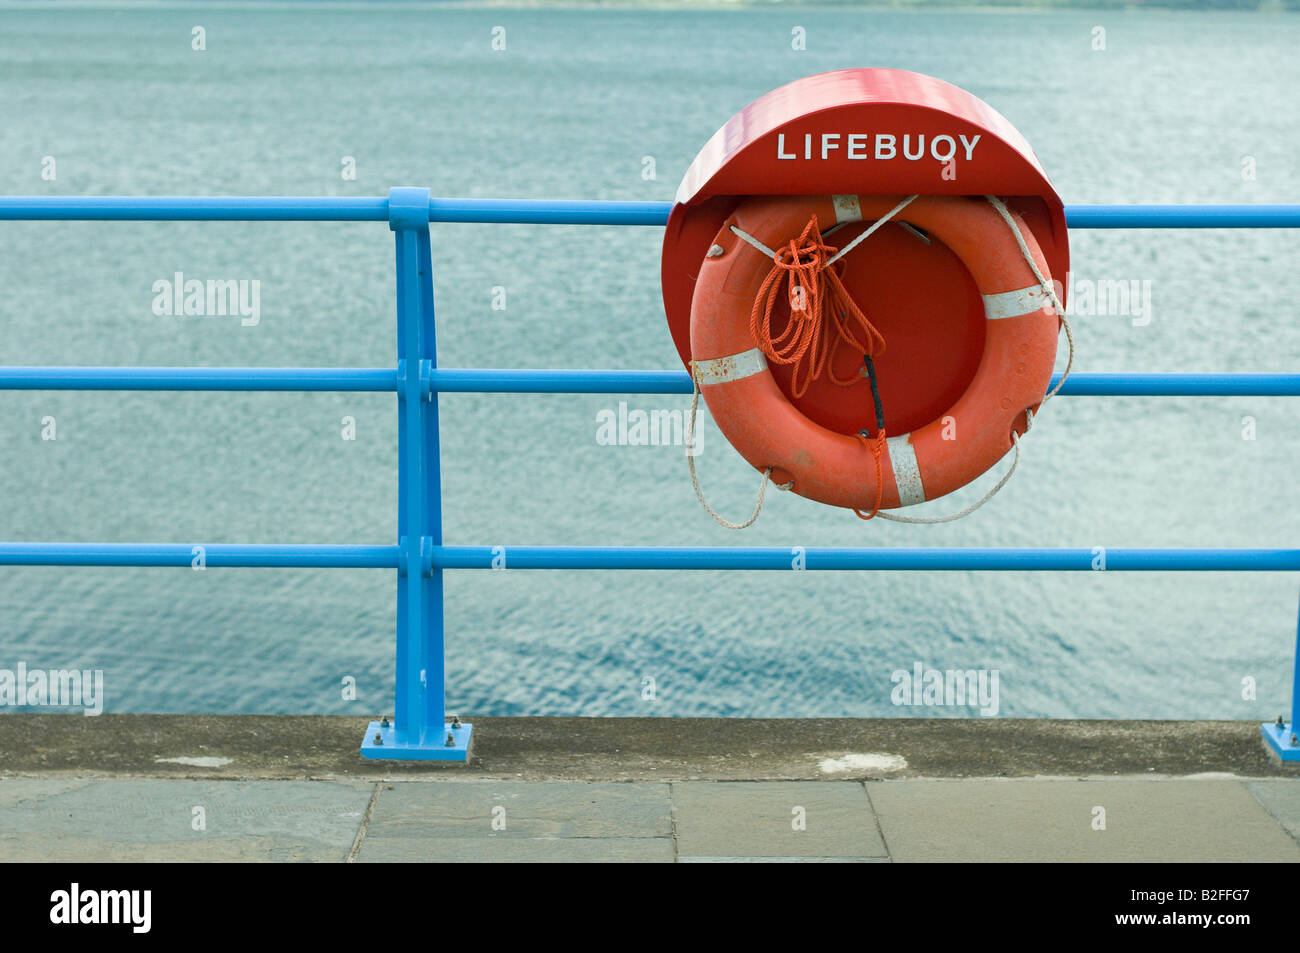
x: 1010, y: 559
x: 235, y: 208
x: 654, y: 558
x: 529, y: 381
x: 457, y: 380
x: 547, y: 211
x: 284, y: 556
x: 199, y: 378
x: 1182, y: 216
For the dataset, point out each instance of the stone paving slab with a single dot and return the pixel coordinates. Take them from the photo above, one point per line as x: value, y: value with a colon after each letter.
x: 1282, y: 800
x: 782, y: 860
x: 111, y: 820
x: 1052, y: 820
x: 519, y: 820
x: 757, y: 819
x: 496, y: 848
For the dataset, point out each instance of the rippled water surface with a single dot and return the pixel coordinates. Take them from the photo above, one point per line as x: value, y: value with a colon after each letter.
x: 1167, y: 113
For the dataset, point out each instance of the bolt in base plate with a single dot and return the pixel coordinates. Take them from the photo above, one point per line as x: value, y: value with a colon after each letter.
x: 1278, y: 738
x: 398, y: 748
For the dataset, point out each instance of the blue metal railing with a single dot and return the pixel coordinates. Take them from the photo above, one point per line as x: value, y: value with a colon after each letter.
x: 546, y: 212
x: 420, y: 730
x: 447, y: 380
x: 895, y: 559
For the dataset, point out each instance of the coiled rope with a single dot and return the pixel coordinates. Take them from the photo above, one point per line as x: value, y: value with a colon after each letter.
x: 823, y: 315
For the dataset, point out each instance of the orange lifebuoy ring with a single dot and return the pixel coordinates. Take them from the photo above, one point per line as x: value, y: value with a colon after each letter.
x: 950, y: 450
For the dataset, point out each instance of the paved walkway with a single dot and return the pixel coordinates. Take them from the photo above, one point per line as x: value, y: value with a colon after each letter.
x: 165, y: 819
x: 161, y: 788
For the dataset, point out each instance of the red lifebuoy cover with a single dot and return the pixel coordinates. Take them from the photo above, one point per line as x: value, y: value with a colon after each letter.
x: 970, y: 336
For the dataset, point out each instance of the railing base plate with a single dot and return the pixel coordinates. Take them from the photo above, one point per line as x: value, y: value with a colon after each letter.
x: 393, y: 748
x: 1278, y: 738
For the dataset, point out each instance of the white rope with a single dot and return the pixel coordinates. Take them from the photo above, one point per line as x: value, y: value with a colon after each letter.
x: 875, y: 226
x: 1046, y: 285
x: 910, y: 229
x: 695, y: 480
x: 1015, y: 440
x: 915, y: 232
x: 755, y: 242
x: 870, y: 231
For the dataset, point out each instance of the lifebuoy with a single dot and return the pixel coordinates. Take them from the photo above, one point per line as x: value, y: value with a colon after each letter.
x: 838, y: 468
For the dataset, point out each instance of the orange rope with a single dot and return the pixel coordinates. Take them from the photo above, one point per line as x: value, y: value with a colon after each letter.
x: 806, y: 342
x: 817, y: 297
x: 877, y: 445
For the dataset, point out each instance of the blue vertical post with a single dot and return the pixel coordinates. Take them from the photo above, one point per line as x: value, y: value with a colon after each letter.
x: 419, y: 730
x: 1282, y: 737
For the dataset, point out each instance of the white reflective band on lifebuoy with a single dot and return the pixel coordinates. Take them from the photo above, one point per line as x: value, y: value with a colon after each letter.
x: 1012, y: 304
x: 907, y: 475
x: 733, y: 367
x: 847, y: 209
